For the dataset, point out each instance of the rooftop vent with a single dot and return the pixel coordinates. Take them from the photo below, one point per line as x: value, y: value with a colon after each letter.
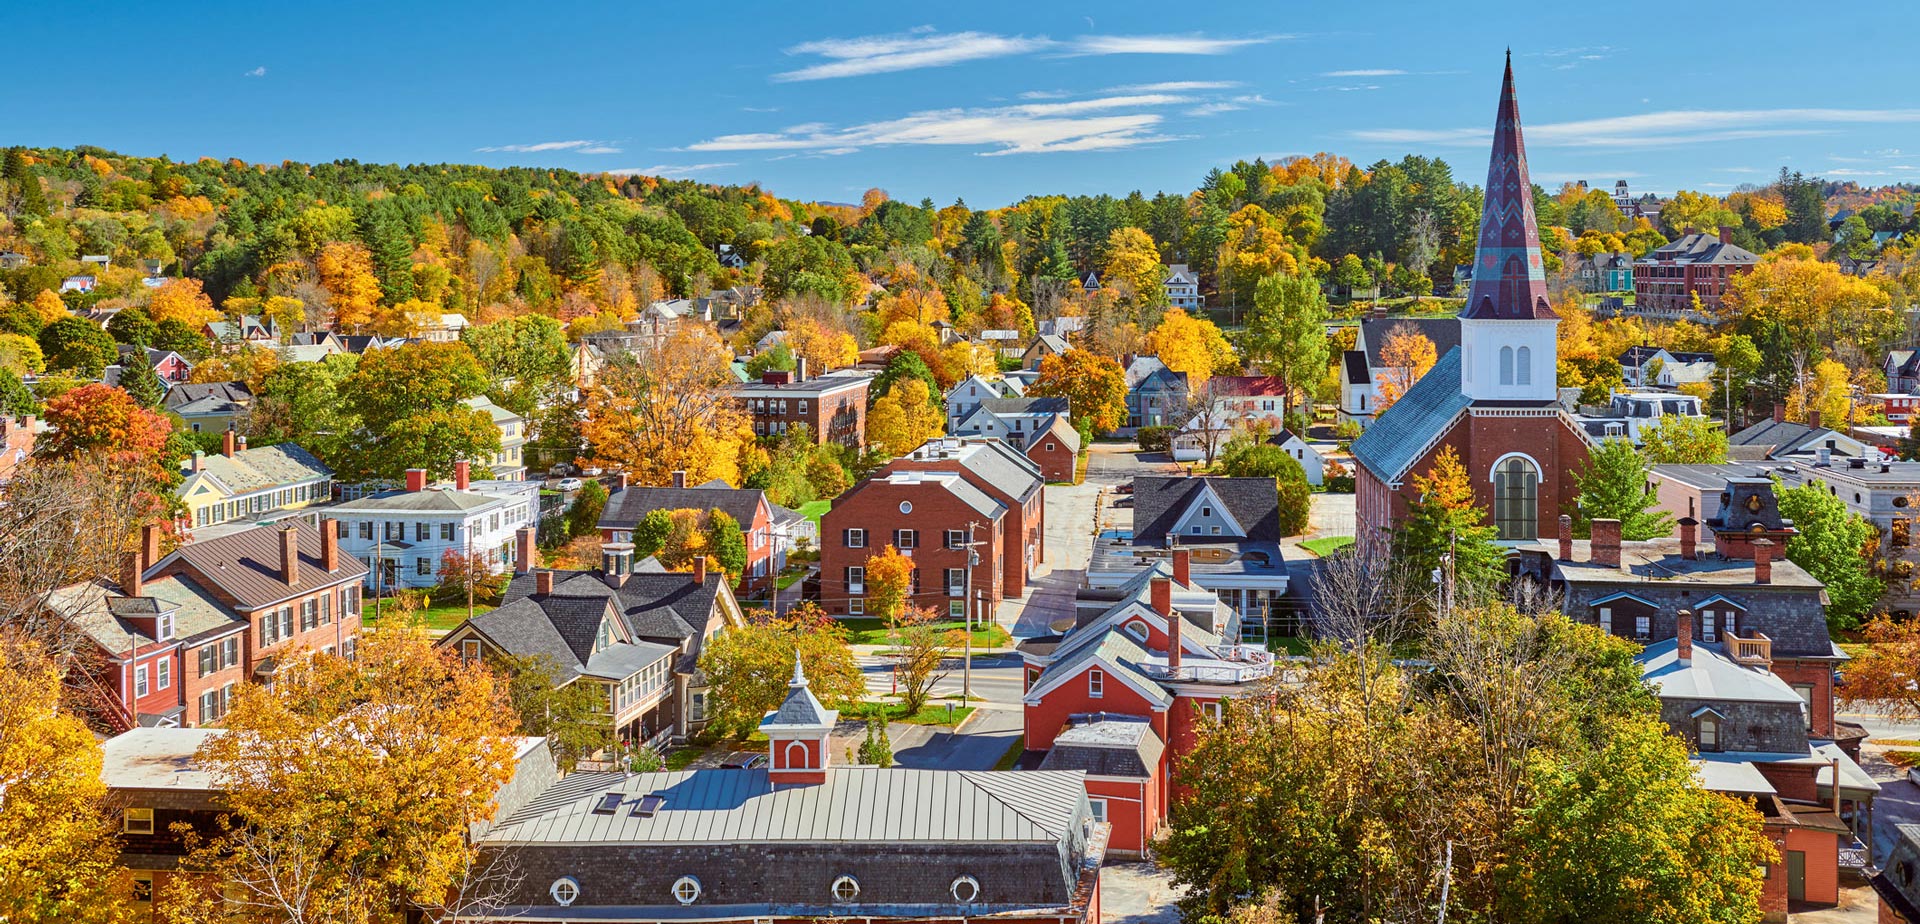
x: 609, y: 803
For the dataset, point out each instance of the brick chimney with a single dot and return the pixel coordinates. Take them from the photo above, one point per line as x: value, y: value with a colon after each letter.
x: 799, y: 368
x: 227, y: 444
x: 199, y: 460
x: 1683, y: 635
x: 1605, y: 544
x: 416, y: 479
x: 131, y: 569
x: 523, y: 549
x: 1763, y: 561
x: 1174, y: 621
x: 1689, y: 538
x: 462, y: 474
x: 1379, y: 311
x: 149, y: 544
x: 700, y: 570
x: 1726, y: 235
x: 543, y: 582
x: 1162, y: 596
x: 1779, y: 412
x: 330, y: 545
x: 621, y: 480
x: 680, y: 478
x: 1566, y: 538
x: 1813, y: 418
x: 290, y: 555
x: 1183, y: 567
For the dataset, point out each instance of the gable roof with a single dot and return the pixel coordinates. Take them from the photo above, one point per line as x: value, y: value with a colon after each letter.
x: 1159, y: 502
x: 1779, y: 436
x: 656, y: 605
x: 246, y: 565
x: 625, y: 509
x: 1701, y: 248
x: 1053, y: 343
x: 1108, y: 745
x: 1402, y: 434
x: 258, y: 468
x: 228, y: 393
x: 1444, y: 332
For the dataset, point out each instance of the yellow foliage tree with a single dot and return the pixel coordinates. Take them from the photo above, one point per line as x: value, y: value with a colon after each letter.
x: 915, y: 301
x: 57, y: 844
x: 1133, y: 265
x: 965, y: 357
x: 1819, y: 307
x: 668, y: 409
x: 904, y: 417
x: 182, y: 300
x: 47, y: 305
x: 1828, y: 391
x: 1256, y: 247
x: 1408, y: 355
x: 1192, y: 345
x: 821, y: 346
x: 889, y: 579
x: 346, y: 271
x: 407, y: 319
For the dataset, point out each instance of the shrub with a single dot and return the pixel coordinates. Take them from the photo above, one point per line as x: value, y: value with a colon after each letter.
x: 1155, y: 439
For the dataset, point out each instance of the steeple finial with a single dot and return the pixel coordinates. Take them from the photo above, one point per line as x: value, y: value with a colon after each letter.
x: 799, y: 674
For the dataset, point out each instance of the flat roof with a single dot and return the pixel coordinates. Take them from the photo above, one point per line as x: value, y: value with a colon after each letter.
x: 156, y: 758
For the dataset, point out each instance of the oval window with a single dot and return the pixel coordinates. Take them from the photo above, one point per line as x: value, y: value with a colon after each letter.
x: 686, y: 890
x: 906, y: 506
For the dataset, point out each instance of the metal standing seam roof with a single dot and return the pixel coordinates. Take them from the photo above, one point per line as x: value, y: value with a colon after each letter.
x: 246, y: 564
x: 1710, y: 675
x: 1401, y: 435
x: 853, y: 805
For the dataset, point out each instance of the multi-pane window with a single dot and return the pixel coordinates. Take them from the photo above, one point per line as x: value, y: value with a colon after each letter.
x: 1516, y: 486
x: 140, y: 681
x: 856, y: 538
x: 422, y: 531
x: 904, y: 539
x: 163, y: 673
x: 956, y: 538
x: 1096, y: 683
x: 446, y: 532
x: 856, y: 579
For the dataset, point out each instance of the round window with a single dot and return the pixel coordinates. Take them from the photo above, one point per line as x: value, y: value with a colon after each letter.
x: 1901, y: 502
x: 564, y: 890
x: 846, y: 889
x: 686, y: 890
x: 966, y: 889
x: 906, y: 506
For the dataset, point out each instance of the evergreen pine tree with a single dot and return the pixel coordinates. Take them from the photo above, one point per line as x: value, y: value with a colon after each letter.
x: 26, y: 199
x: 139, y: 381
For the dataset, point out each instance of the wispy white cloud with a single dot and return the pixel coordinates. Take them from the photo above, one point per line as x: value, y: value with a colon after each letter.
x: 1367, y: 72
x: 541, y: 147
x: 923, y: 48
x: 1655, y: 129
x: 881, y: 54
x: 759, y: 108
x: 1175, y: 86
x: 1045, y: 94
x: 1030, y: 128
x: 669, y: 170
x: 260, y: 71
x: 1601, y: 176
x: 1233, y: 104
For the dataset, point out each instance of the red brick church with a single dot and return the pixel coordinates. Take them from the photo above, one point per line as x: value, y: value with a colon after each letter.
x: 1493, y: 398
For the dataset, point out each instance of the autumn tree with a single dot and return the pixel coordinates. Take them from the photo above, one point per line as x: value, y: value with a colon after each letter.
x: 1407, y: 355
x: 666, y: 409
x: 904, y: 418
x: 1192, y: 345
x: 1286, y: 333
x: 920, y: 651
x: 527, y: 362
x: 102, y: 420
x: 749, y: 667
x: 1615, y: 485
x: 1133, y: 266
x: 1446, y: 529
x: 346, y: 270
x: 728, y: 543
x: 1881, y: 676
x: 1253, y: 457
x: 1095, y: 388
x: 571, y: 716
x: 350, y: 786
x: 410, y: 405
x: 889, y: 582
x: 1813, y: 306
x: 184, y: 301
x: 58, y: 851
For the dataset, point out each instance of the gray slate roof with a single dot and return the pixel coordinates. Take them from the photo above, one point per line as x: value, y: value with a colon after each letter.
x: 1159, y: 501
x: 658, y: 606
x: 207, y: 396
x: 1402, y: 433
x: 625, y: 509
x: 1701, y: 247
x: 1777, y: 437
x: 262, y: 467
x: 1108, y: 746
x: 1444, y: 332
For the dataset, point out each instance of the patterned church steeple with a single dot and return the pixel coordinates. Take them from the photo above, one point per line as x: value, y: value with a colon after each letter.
x: 1509, y: 277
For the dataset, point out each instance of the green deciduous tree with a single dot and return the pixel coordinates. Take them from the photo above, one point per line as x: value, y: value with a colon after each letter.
x: 1674, y: 439
x: 1286, y: 330
x: 726, y: 543
x: 1245, y: 457
x: 749, y: 667
x: 77, y: 345
x: 1614, y: 485
x: 572, y: 717
x: 1836, y: 546
x: 1446, y: 530
x: 584, y: 516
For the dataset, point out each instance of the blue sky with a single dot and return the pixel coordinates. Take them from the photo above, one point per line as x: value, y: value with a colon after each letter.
x: 987, y: 100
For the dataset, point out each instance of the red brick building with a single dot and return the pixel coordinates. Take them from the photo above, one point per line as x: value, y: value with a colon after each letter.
x: 1122, y: 695
x: 1004, y: 474
x: 928, y: 515
x: 176, y: 634
x: 1666, y: 281
x: 1493, y: 397
x: 832, y: 407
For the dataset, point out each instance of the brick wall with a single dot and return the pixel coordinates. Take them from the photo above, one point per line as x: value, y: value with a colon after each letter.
x: 1071, y: 697
x: 875, y: 507
x: 1056, y: 464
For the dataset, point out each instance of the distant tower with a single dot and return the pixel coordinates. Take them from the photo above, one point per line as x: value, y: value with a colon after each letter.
x: 1507, y: 327
x: 1622, y: 198
x: 797, y: 751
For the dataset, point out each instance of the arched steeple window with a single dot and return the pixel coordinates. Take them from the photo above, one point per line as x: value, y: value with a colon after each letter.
x: 1506, y: 365
x: 1524, y: 374
x: 1516, y: 499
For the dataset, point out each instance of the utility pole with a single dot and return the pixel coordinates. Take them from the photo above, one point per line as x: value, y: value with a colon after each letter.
x: 379, y: 568
x: 966, y: 605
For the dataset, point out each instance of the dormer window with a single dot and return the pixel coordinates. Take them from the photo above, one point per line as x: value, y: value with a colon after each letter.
x: 846, y: 889
x: 1706, y: 732
x: 163, y: 627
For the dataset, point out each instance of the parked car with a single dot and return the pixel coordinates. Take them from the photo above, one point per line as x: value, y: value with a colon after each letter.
x: 743, y: 760
x: 560, y: 470
x: 592, y: 471
x: 569, y: 485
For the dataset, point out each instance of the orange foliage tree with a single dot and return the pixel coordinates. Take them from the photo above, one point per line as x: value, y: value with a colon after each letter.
x: 182, y: 300
x: 1408, y: 354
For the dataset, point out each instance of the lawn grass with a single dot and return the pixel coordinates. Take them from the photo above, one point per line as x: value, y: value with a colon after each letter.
x: 1904, y: 758
x: 679, y: 758
x: 1327, y: 545
x: 932, y: 713
x: 814, y: 510
x: 442, y: 618
x: 1012, y: 757
x: 788, y: 577
x: 1287, y: 645
x: 871, y: 630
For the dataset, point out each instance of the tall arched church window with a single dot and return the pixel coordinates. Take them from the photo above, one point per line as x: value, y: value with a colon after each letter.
x: 1524, y: 360
x: 1516, y: 499
x: 1506, y: 365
